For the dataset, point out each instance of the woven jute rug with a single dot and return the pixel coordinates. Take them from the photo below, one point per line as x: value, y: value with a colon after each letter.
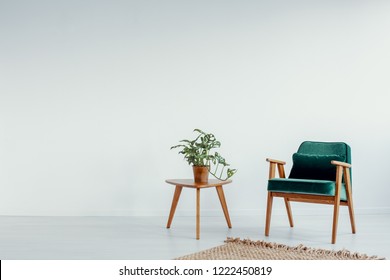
x: 237, y: 249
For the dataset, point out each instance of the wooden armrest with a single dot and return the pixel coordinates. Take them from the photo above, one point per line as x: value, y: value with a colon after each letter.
x: 340, y: 163
x: 276, y: 161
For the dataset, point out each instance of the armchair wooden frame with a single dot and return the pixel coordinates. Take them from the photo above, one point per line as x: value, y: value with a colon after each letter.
x: 341, y: 168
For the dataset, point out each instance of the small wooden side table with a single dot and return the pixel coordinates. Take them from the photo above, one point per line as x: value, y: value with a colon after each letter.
x: 189, y: 183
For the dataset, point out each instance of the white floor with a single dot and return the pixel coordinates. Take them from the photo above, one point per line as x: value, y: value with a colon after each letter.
x: 147, y: 238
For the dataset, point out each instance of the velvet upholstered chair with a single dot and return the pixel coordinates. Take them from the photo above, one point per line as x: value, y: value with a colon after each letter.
x: 320, y: 174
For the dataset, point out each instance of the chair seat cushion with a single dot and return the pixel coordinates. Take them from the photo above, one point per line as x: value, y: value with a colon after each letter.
x: 305, y: 186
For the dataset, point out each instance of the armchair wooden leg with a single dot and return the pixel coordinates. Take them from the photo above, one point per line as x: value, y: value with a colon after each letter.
x: 339, y: 174
x: 268, y: 214
x: 349, y: 198
x: 175, y: 200
x: 352, y: 216
x: 289, y: 212
x: 335, y: 220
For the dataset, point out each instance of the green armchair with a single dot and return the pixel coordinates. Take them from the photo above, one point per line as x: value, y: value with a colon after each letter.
x: 320, y: 174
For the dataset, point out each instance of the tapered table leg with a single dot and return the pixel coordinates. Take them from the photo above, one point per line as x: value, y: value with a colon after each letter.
x: 175, y: 200
x: 222, y: 199
x: 197, y: 213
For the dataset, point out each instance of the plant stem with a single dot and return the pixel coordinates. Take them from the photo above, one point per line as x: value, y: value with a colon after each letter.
x: 215, y: 173
x: 216, y: 168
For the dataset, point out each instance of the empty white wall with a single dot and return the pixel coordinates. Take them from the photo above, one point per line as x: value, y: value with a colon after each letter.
x: 93, y: 94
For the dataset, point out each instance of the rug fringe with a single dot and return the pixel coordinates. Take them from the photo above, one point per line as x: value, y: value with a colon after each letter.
x: 302, y: 248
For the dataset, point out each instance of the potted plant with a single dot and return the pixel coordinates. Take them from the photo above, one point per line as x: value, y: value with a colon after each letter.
x: 198, y: 152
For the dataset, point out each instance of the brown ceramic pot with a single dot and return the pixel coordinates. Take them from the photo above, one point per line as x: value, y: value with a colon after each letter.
x: 201, y: 174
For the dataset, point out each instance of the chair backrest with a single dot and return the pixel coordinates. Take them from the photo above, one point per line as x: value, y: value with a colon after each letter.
x: 312, y: 160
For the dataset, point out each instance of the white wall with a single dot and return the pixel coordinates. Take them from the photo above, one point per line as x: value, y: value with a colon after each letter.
x: 93, y: 94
